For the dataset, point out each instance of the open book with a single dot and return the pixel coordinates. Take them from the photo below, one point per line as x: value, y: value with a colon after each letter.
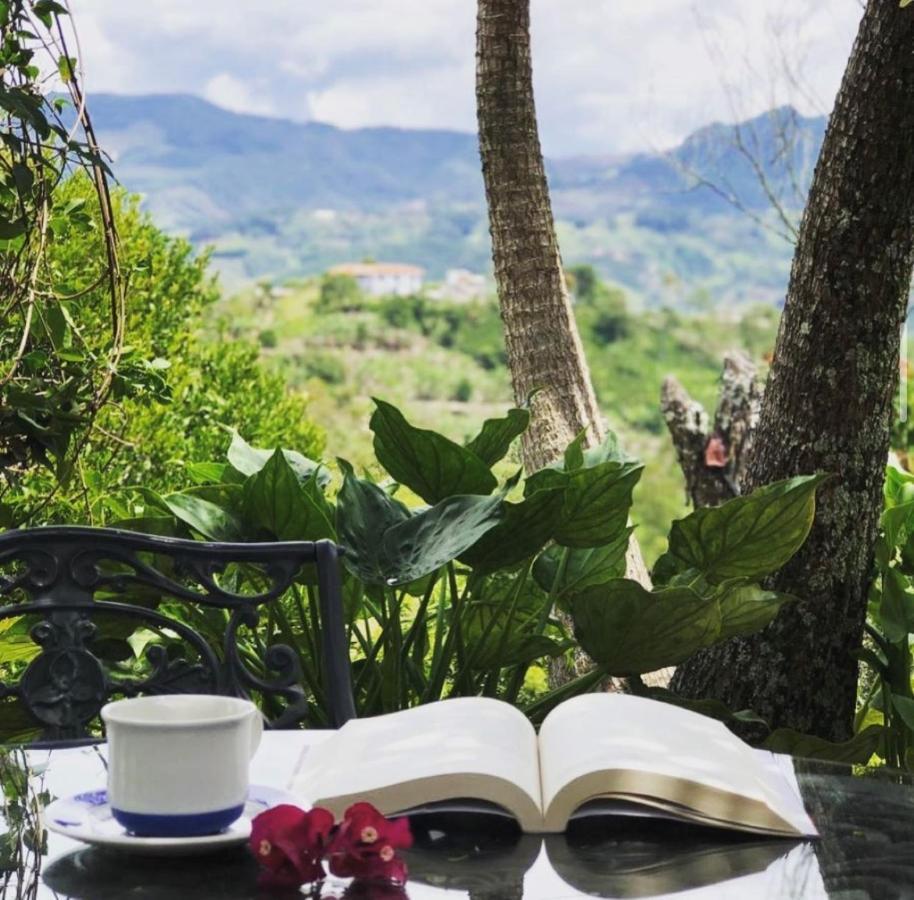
x: 597, y: 754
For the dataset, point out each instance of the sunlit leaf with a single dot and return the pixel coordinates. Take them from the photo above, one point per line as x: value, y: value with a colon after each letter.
x: 276, y: 501
x: 426, y: 462
x: 495, y: 439
x: 208, y: 519
x: 387, y: 544
x: 250, y: 460
x: 747, y: 537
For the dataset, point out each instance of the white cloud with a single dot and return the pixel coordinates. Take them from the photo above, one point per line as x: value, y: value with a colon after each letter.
x: 230, y: 92
x: 611, y: 75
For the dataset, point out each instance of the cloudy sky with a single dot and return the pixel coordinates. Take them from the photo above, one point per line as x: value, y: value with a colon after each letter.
x: 610, y: 75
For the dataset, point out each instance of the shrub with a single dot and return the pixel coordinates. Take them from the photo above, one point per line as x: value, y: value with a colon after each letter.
x: 463, y: 392
x: 183, y: 392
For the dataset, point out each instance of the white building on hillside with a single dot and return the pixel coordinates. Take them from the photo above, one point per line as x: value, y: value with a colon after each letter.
x: 461, y: 286
x: 379, y: 279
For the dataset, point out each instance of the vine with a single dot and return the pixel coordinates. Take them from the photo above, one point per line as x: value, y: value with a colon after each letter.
x: 58, y: 360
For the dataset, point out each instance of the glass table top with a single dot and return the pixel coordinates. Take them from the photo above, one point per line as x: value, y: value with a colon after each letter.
x: 866, y: 850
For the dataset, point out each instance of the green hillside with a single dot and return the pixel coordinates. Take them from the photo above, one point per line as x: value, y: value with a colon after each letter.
x: 444, y: 364
x: 279, y: 199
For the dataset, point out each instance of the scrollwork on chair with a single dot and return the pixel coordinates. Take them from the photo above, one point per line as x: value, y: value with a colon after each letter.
x: 58, y: 573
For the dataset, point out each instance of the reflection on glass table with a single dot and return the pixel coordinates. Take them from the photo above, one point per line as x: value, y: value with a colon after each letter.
x: 866, y: 850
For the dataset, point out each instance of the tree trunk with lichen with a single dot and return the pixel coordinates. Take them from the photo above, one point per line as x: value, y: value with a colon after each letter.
x: 544, y: 349
x: 828, y: 400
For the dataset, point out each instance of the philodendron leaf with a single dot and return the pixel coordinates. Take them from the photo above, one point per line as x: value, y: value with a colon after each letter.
x: 574, y: 453
x: 597, y: 501
x: 363, y: 513
x: 425, y: 461
x: 436, y: 536
x: 250, y: 460
x: 898, y: 516
x: 495, y: 439
x: 598, y: 486
x: 628, y: 630
x: 524, y: 530
x: 211, y: 521
x: 747, y: 608
x: 583, y: 568
x: 858, y: 749
x: 389, y: 545
x: 276, y: 501
x: 747, y: 537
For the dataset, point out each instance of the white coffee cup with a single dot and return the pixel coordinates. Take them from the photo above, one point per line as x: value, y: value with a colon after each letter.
x: 178, y: 764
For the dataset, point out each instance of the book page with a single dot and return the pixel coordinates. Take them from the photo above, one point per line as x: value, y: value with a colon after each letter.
x: 664, y: 753
x: 470, y: 747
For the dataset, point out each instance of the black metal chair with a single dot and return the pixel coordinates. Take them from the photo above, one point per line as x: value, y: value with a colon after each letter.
x: 53, y: 575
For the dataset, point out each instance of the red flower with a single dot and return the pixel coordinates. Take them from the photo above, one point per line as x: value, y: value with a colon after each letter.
x: 365, y: 845
x: 289, y: 843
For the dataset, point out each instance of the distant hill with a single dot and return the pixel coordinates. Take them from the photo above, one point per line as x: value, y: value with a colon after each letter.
x: 279, y: 199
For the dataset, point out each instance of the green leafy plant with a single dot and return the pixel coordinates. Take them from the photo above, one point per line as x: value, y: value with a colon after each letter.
x: 58, y: 367
x: 23, y: 838
x: 453, y: 576
x: 886, y: 697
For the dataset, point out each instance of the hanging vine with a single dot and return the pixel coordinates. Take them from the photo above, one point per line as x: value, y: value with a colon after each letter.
x: 58, y: 358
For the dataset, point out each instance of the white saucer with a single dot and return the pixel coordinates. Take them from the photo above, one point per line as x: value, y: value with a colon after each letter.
x: 87, y: 817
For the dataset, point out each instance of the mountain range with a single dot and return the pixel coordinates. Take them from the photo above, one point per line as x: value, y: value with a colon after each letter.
x: 692, y: 227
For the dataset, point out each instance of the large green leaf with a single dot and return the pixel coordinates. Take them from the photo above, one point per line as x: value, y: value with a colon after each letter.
x: 898, y: 516
x: 858, y: 749
x: 583, y: 568
x: 895, y: 606
x: 747, y: 608
x: 524, y: 530
x: 363, y: 513
x: 495, y: 439
x: 277, y: 502
x: 747, y: 537
x: 597, y: 502
x: 436, y: 536
x: 213, y: 522
x: 598, y: 486
x: 388, y: 545
x: 250, y: 460
x: 608, y: 450
x: 425, y: 461
x: 628, y: 630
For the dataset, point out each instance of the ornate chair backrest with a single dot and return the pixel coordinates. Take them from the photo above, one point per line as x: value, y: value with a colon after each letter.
x: 56, y: 582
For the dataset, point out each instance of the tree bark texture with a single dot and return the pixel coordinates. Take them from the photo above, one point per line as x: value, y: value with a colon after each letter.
x: 713, y: 457
x: 541, y: 336
x: 828, y: 400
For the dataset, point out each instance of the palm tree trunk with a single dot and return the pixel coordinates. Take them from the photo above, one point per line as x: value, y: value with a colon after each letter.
x: 828, y: 402
x: 543, y: 345
x: 541, y: 336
